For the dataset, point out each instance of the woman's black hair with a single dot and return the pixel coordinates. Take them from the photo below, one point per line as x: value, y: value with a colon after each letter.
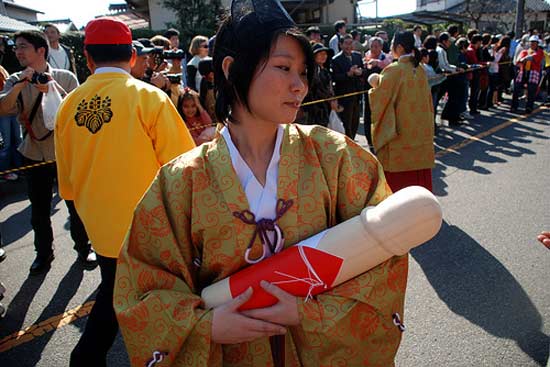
x: 505, y: 41
x: 406, y: 40
x: 248, y: 58
x: 430, y: 43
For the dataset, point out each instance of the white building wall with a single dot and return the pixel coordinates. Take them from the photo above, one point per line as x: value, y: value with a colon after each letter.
x: 341, y: 9
x: 160, y: 16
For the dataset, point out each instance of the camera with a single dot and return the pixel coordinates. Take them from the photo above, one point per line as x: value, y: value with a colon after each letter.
x: 39, y: 78
x: 173, y: 55
x: 174, y: 78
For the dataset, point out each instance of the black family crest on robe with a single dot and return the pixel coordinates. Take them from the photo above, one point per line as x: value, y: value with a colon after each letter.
x: 94, y: 114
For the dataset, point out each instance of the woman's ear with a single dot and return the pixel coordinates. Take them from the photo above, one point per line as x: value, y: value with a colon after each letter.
x: 226, y: 65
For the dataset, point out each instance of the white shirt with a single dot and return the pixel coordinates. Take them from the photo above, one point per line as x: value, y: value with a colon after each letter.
x: 110, y: 69
x: 333, y: 44
x: 198, y: 76
x: 58, y: 58
x: 262, y: 199
x: 417, y: 41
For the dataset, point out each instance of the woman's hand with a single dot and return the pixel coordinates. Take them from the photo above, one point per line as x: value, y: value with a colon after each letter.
x: 284, y: 312
x: 229, y: 326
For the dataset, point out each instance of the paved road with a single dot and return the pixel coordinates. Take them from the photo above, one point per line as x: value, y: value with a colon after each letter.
x: 478, y: 293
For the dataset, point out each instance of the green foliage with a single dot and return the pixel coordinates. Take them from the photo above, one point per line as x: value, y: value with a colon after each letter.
x: 75, y: 41
x: 195, y: 17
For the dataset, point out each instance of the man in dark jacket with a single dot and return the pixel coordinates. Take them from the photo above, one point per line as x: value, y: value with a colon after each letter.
x: 347, y: 74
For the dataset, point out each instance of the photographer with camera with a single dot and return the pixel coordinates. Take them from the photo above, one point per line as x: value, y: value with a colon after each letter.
x: 142, y: 69
x: 23, y: 93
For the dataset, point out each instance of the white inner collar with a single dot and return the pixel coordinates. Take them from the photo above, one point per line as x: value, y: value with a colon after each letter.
x: 262, y: 199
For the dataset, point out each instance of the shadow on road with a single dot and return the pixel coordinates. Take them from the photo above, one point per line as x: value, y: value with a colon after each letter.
x: 19, y: 224
x: 32, y: 351
x: 489, y: 150
x: 476, y: 286
x: 19, y: 305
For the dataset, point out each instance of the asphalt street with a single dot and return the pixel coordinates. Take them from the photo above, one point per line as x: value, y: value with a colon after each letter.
x: 477, y: 295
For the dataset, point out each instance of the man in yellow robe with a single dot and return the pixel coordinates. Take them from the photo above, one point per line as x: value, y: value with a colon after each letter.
x: 112, y: 135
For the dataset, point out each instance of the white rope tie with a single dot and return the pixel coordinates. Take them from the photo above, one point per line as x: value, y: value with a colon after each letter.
x: 313, y: 280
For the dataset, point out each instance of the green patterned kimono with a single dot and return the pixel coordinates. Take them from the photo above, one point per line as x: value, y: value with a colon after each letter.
x: 184, y: 237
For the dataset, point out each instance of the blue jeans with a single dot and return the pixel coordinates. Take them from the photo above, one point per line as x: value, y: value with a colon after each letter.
x: 11, y: 133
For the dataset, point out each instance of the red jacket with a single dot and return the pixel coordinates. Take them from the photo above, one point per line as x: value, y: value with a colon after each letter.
x: 471, y: 56
x: 536, y: 63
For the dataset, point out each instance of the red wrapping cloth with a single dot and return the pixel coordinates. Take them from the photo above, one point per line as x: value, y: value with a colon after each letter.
x: 298, y: 270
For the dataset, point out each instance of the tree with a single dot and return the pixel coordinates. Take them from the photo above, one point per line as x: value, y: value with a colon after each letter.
x: 474, y: 9
x: 194, y: 17
x: 493, y: 12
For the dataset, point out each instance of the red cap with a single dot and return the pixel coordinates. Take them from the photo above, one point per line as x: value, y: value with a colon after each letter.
x: 107, y: 31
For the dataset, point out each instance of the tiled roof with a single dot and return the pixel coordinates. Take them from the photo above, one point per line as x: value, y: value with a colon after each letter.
x: 537, y: 5
x: 132, y: 20
x: 8, y: 24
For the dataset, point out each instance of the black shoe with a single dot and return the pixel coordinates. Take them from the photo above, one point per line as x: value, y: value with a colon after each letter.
x: 456, y: 123
x: 88, y: 258
x: 528, y: 111
x: 474, y: 112
x: 2, y: 255
x: 514, y: 110
x: 41, y: 264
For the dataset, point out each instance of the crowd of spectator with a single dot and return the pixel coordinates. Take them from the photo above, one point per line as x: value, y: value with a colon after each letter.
x: 469, y: 72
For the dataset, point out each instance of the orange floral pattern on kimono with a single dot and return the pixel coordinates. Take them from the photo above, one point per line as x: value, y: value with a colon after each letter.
x: 184, y: 238
x: 403, y: 118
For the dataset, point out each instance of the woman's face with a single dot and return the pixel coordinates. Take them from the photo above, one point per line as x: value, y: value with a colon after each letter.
x: 203, y: 49
x: 321, y: 58
x: 279, y: 86
x: 375, y: 48
x: 189, y: 108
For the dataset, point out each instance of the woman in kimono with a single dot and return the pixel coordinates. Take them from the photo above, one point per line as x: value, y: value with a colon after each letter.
x: 201, y: 214
x: 402, y: 118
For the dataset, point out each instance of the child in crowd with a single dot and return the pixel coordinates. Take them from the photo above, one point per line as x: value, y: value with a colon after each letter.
x: 195, y: 116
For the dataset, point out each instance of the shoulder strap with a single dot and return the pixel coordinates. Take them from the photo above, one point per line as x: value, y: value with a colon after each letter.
x: 27, y: 121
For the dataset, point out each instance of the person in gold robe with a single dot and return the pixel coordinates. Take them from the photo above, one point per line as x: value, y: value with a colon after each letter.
x: 213, y: 209
x: 402, y: 118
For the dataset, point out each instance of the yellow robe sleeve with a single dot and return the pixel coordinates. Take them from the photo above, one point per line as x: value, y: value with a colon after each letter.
x: 382, y: 102
x: 159, y: 314
x: 353, y: 323
x: 169, y: 125
x: 63, y: 182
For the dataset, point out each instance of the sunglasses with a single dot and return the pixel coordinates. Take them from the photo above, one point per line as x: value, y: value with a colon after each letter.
x: 204, y: 46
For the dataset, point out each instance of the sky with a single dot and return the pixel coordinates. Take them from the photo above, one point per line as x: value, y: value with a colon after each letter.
x: 81, y: 11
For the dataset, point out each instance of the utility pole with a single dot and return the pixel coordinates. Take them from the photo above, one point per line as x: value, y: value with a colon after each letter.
x: 520, y: 17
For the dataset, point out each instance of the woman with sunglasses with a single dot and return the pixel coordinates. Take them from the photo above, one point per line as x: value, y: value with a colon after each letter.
x: 199, y: 50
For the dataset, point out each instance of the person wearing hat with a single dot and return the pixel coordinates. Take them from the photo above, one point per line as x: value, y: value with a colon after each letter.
x: 320, y: 88
x: 142, y: 60
x: 142, y: 68
x: 314, y: 34
x: 529, y: 62
x: 23, y: 93
x: 194, y: 225
x: 113, y: 133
